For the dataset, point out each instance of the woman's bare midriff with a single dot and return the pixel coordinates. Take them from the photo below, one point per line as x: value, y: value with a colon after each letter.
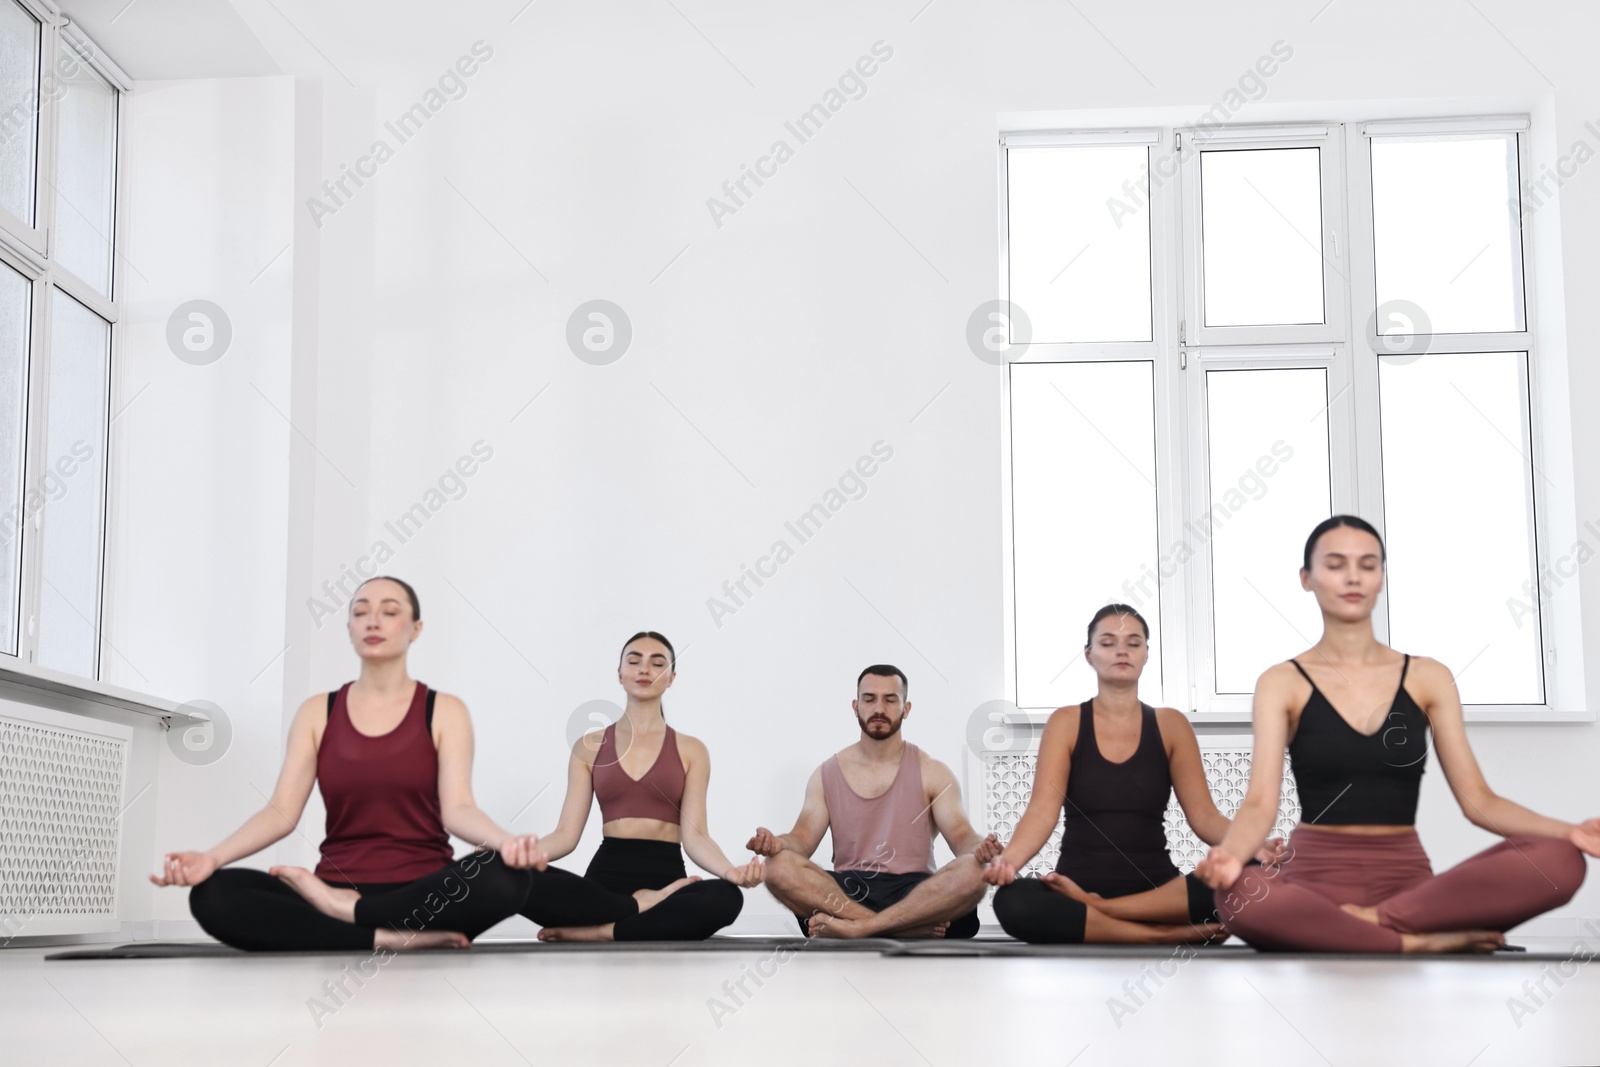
x: 1369, y: 830
x: 644, y: 829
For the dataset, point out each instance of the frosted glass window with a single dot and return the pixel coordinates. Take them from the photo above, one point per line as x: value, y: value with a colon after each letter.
x: 1267, y: 433
x: 86, y: 182
x: 1080, y: 241
x: 74, y: 488
x: 1446, y: 232
x: 14, y: 315
x: 1458, y: 504
x: 1261, y: 234
x: 1083, y: 518
x: 19, y: 109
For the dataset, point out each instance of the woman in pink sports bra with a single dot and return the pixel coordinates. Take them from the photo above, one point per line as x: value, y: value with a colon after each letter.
x: 651, y: 784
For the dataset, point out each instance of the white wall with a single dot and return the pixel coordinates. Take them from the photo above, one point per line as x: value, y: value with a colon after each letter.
x: 777, y: 349
x: 197, y: 557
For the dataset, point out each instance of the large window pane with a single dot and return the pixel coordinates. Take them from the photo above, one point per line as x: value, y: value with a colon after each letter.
x: 19, y: 109
x: 1268, y: 442
x: 14, y: 306
x: 1261, y: 231
x: 1083, y: 517
x: 1458, y: 504
x: 1445, y: 231
x: 86, y: 184
x: 74, y: 488
x: 1080, y: 241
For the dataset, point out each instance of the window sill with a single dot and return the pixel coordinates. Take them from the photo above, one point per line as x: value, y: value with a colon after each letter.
x: 25, y: 682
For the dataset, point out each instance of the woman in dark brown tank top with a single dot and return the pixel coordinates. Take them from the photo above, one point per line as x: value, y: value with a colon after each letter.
x: 651, y: 783
x: 394, y: 763
x: 1114, y: 881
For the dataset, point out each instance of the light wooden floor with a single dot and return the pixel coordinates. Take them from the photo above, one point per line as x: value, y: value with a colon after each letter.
x: 657, y: 1009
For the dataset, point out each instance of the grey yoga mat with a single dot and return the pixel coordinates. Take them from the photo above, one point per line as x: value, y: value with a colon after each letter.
x: 998, y: 947
x: 148, y: 950
x: 991, y: 947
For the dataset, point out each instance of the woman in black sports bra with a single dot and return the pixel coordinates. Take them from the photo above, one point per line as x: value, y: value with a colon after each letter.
x: 1357, y: 878
x: 1114, y: 881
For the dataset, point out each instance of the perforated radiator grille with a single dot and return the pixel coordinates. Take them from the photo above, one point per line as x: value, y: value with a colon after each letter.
x: 1008, y: 782
x: 60, y: 797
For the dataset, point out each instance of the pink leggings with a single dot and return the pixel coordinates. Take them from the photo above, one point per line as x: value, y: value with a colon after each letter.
x: 1298, y: 907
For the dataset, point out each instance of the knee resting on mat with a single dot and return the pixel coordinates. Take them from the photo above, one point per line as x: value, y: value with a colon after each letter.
x: 719, y: 901
x: 205, y: 899
x: 693, y: 913
x: 504, y: 888
x: 1562, y: 864
x: 1031, y: 911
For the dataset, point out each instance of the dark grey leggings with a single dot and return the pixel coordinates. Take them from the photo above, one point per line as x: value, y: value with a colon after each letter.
x: 604, y: 894
x: 252, y: 910
x: 1031, y: 911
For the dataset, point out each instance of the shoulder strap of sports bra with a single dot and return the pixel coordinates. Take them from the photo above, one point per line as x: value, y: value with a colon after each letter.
x: 1303, y: 673
x: 1403, y: 668
x: 333, y: 696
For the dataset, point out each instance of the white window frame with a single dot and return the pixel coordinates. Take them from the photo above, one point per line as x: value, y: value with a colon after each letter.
x: 30, y: 251
x: 1183, y: 350
x: 1329, y: 141
x: 1203, y: 698
x: 1563, y: 688
x: 21, y: 236
x: 1160, y: 350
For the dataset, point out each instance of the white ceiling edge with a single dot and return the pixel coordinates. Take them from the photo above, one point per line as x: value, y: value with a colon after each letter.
x: 173, y: 39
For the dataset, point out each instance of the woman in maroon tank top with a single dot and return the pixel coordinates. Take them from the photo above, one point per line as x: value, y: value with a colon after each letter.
x: 651, y: 783
x: 394, y: 763
x: 1113, y: 764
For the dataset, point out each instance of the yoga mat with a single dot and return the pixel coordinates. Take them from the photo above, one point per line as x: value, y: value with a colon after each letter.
x: 153, y: 950
x: 997, y: 947
x: 974, y: 947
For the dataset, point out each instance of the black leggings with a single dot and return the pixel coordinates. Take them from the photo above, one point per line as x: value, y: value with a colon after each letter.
x: 1031, y: 911
x: 253, y: 910
x: 604, y: 894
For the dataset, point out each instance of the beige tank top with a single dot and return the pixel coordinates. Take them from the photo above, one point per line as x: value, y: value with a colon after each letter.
x: 888, y: 834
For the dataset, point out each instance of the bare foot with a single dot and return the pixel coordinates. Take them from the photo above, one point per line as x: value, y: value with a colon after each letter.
x: 1478, y: 941
x: 915, y: 933
x: 335, y: 903
x: 649, y: 898
x: 1067, y: 887
x: 825, y: 925
x: 1369, y: 914
x: 401, y: 940
x: 577, y: 933
x: 1186, y: 933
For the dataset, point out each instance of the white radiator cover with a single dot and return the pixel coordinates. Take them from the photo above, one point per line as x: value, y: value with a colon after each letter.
x: 62, y: 780
x: 1008, y: 781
